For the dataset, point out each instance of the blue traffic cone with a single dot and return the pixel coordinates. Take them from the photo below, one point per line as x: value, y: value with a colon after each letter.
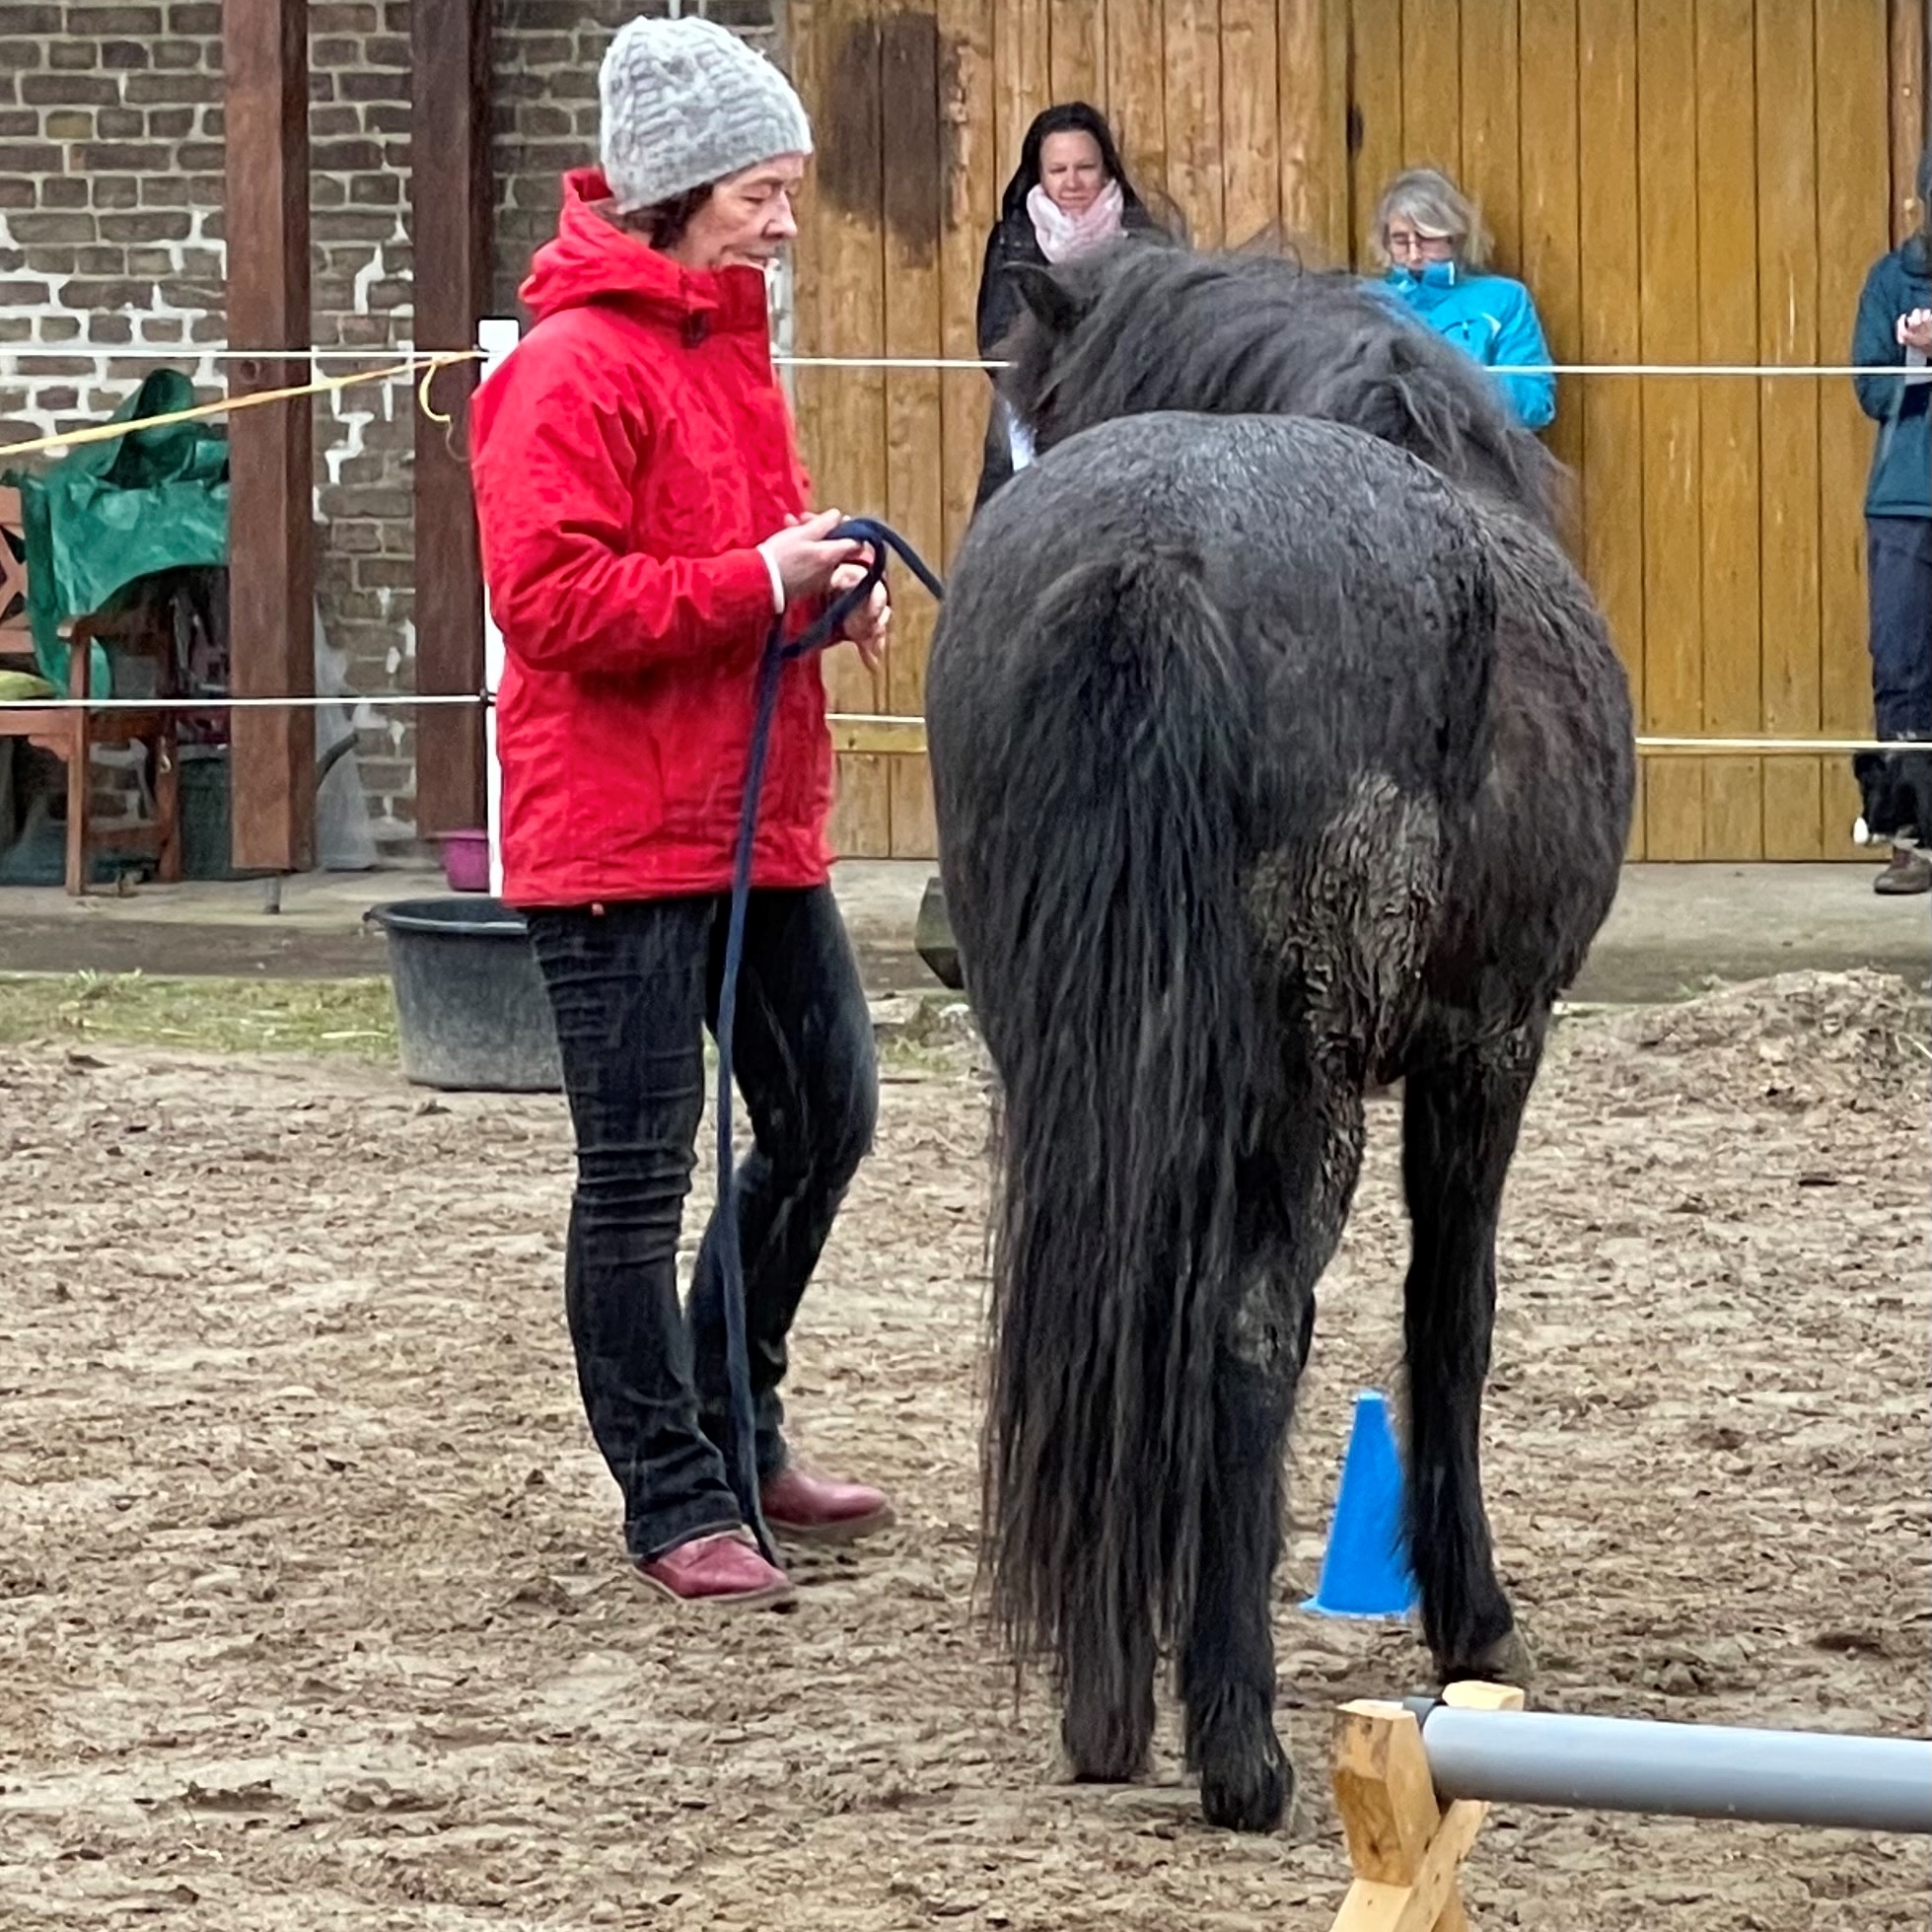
x: 1366, y: 1571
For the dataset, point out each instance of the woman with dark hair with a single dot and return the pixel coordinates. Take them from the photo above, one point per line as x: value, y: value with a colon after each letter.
x: 1068, y: 196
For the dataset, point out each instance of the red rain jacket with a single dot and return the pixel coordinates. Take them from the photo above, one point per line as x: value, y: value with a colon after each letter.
x: 626, y: 458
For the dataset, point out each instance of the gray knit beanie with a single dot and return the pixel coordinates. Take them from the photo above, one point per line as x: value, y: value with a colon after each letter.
x: 686, y: 102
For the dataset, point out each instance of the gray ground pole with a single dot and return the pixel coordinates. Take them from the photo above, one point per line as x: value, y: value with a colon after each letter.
x: 1683, y: 1771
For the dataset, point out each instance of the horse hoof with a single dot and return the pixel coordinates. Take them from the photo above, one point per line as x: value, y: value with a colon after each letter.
x: 1509, y: 1660
x: 1249, y: 1792
x: 1106, y: 1748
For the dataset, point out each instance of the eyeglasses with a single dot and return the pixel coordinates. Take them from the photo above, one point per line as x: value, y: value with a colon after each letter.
x: 1407, y: 243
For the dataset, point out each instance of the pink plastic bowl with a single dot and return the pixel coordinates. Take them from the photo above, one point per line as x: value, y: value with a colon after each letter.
x: 467, y: 861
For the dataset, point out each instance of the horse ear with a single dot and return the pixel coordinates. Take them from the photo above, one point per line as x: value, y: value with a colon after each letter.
x: 1052, y: 304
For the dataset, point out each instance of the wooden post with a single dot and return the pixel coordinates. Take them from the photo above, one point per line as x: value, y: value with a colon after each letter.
x: 271, y: 572
x: 1407, y: 1851
x: 451, y: 189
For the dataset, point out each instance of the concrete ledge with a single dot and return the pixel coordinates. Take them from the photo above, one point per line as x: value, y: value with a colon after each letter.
x: 1676, y: 927
x: 1672, y: 929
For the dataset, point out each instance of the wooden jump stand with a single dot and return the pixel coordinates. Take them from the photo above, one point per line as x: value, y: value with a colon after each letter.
x: 1406, y: 1850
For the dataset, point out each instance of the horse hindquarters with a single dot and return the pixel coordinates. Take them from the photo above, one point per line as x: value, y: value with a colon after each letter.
x: 1094, y: 877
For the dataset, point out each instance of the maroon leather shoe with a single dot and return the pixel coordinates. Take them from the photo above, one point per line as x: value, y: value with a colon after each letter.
x: 721, y: 1571
x: 815, y: 1509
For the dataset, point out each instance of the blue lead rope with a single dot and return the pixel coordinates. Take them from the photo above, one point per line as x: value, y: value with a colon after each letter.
x: 744, y: 1462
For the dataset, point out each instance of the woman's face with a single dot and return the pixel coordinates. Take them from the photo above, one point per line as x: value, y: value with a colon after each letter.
x: 1071, y: 171
x: 1408, y: 248
x: 747, y: 218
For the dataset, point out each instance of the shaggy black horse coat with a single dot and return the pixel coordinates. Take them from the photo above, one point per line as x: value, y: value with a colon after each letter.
x: 1279, y: 752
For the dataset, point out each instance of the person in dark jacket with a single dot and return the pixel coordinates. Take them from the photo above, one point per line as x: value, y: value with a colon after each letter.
x: 645, y: 518
x: 1894, y: 326
x: 1068, y: 196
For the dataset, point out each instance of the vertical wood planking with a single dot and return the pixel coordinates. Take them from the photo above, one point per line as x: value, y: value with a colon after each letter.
x: 914, y: 158
x: 803, y: 33
x: 1311, y: 105
x: 1909, y: 123
x: 1549, y: 218
x: 1136, y: 93
x: 1787, y: 420
x: 1021, y: 65
x: 1493, y: 152
x: 1432, y: 84
x: 1721, y: 521
x: 1728, y: 468
x: 1077, y: 51
x: 970, y: 188
x: 1609, y: 284
x: 1334, y: 149
x: 1667, y: 195
x: 1302, y: 86
x: 852, y: 322
x: 1854, y: 170
x: 1251, y: 121
x: 1191, y: 42
x: 813, y: 332
x: 1375, y: 67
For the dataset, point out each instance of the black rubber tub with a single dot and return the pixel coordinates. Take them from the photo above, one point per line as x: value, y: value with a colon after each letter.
x: 471, y: 1013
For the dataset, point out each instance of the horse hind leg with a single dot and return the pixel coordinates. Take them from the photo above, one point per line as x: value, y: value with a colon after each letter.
x: 1295, y: 1203
x: 1227, y: 1666
x: 1460, y: 1119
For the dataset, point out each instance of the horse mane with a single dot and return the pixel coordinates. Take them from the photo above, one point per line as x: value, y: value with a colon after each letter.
x: 1148, y: 326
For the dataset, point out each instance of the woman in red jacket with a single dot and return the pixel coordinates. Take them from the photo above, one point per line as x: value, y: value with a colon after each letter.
x: 643, y: 517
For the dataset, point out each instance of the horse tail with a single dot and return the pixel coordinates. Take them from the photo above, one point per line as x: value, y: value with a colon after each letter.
x: 1120, y: 1012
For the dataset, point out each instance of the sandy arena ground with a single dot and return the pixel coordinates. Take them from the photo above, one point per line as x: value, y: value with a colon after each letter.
x: 311, y: 1613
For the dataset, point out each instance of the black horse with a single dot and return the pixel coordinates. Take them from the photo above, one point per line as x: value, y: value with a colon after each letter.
x: 1279, y: 752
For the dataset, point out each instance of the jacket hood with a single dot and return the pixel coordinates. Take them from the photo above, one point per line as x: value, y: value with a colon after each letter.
x: 593, y: 260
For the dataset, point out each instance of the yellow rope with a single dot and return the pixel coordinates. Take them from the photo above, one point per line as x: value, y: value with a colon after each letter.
x: 203, y: 411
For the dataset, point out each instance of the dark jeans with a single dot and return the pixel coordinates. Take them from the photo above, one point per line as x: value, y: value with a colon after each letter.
x: 1898, y: 550
x: 634, y: 989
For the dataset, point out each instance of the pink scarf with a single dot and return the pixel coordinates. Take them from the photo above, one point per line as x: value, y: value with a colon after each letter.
x: 1061, y: 235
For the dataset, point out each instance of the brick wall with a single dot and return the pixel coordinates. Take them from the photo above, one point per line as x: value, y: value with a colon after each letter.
x: 112, y: 259
x: 111, y: 249
x: 110, y: 189
x: 360, y: 296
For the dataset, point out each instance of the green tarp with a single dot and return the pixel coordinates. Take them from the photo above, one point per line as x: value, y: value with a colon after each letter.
x: 113, y: 512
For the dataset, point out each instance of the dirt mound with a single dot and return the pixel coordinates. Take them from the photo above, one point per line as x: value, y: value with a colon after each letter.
x: 1793, y: 1038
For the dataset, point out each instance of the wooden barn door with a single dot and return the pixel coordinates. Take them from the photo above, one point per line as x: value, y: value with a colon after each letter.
x: 1678, y: 180
x: 1235, y: 112
x: 1689, y: 181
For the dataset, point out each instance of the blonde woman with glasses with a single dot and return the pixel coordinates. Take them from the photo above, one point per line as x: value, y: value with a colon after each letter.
x: 1430, y: 241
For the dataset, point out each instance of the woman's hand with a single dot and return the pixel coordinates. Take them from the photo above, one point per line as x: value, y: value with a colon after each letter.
x: 867, y: 627
x: 805, y: 560
x: 1914, y: 331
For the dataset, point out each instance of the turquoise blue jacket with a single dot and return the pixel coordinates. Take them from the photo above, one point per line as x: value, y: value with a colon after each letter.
x: 1901, y: 480
x: 1490, y: 317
